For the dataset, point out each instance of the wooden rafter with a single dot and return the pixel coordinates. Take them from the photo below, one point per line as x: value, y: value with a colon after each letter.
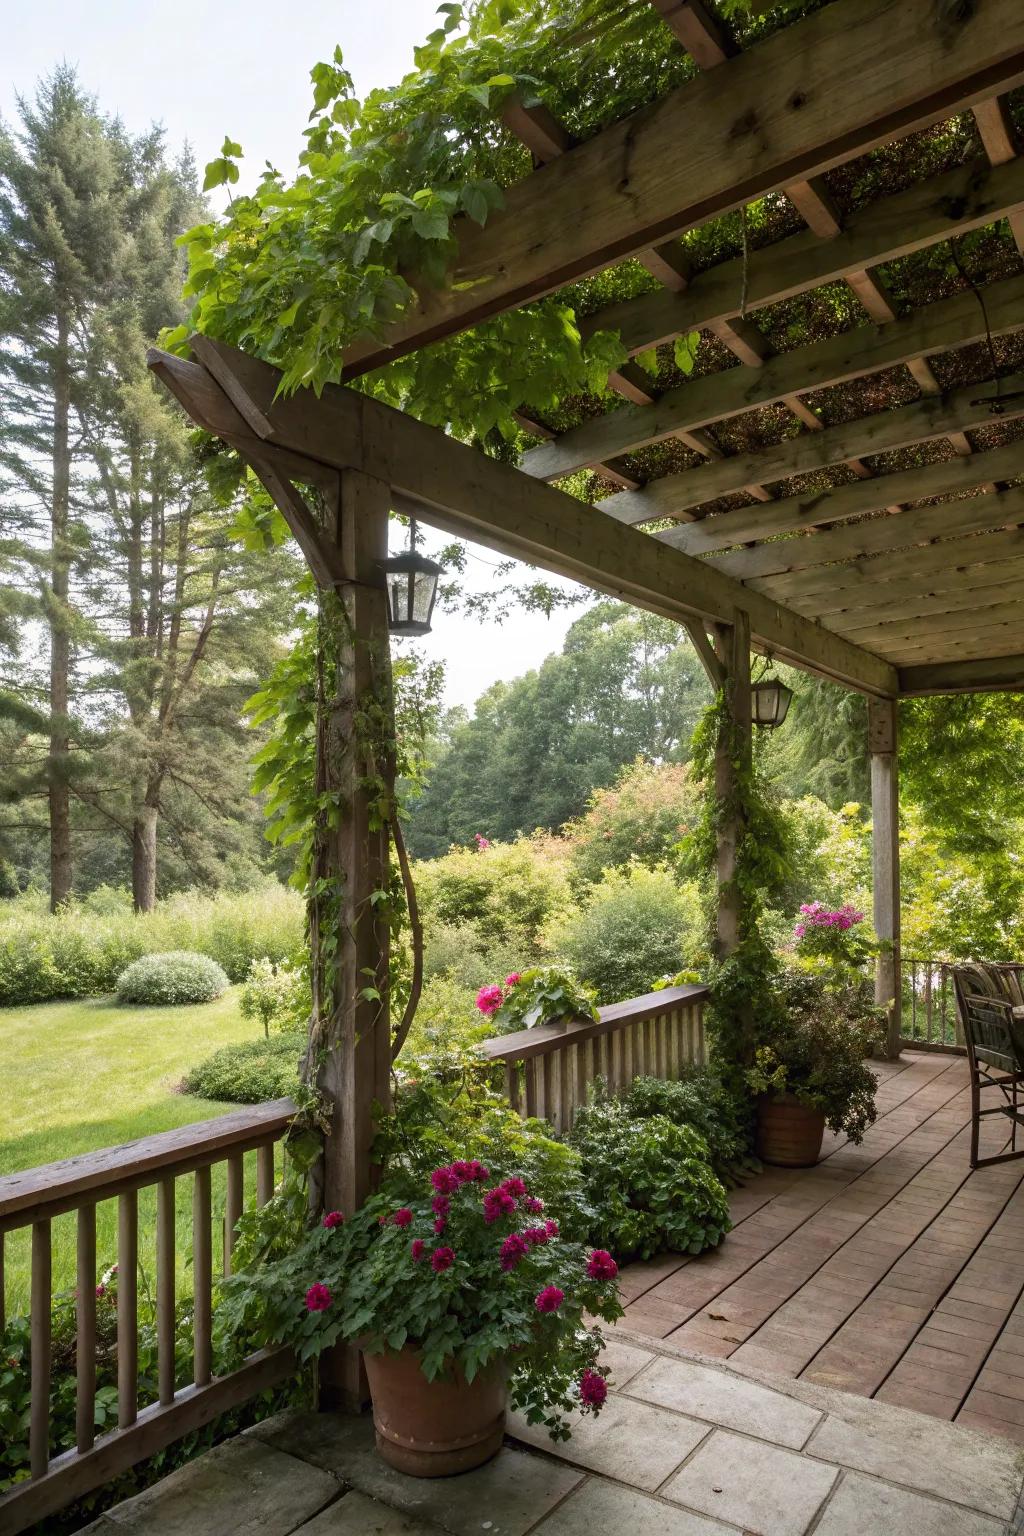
x: 1002, y: 673
x: 759, y: 122
x: 953, y: 322
x: 462, y: 491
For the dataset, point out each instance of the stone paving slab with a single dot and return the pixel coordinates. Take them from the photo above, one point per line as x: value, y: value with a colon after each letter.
x: 763, y: 1489
x: 863, y: 1505
x: 243, y: 1487
x: 727, y: 1399
x: 632, y: 1441
x: 357, y: 1515
x: 606, y: 1509
x: 512, y: 1493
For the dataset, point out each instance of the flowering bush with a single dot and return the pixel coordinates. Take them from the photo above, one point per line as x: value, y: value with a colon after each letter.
x: 175, y: 976
x: 833, y: 937
x: 276, y: 995
x: 472, y: 1274
x: 546, y: 994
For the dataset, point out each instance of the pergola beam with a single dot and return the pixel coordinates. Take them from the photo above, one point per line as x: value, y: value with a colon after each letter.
x: 953, y: 322
x: 462, y: 491
x: 927, y: 562
x: 998, y: 674
x: 818, y: 93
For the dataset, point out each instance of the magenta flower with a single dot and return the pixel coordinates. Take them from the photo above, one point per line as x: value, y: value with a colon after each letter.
x: 601, y: 1265
x: 101, y: 1290
x: 593, y: 1388
x: 489, y: 999
x: 549, y: 1299
x: 441, y: 1259
x: 318, y: 1298
x: 497, y: 1204
x: 440, y: 1205
x: 535, y: 1236
x: 513, y: 1249
x: 333, y: 1219
x: 439, y: 1224
x: 533, y: 1205
x: 445, y: 1180
x: 481, y: 841
x: 403, y: 1217
x: 551, y: 1228
x: 513, y: 980
x: 416, y: 1248
x: 472, y: 1172
x: 514, y: 1187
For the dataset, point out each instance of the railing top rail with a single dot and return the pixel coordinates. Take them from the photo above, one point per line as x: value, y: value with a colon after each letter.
x: 543, y: 1038
x: 46, y: 1191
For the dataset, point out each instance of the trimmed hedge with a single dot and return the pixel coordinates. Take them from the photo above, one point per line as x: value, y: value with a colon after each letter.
x: 177, y: 976
x: 251, y: 1072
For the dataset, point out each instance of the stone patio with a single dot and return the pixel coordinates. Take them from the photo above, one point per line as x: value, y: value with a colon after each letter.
x: 685, y: 1447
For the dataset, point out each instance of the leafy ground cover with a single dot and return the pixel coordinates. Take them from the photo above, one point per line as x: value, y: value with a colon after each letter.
x: 89, y: 1074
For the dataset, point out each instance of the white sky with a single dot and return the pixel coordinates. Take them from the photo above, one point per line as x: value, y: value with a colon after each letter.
x: 241, y: 67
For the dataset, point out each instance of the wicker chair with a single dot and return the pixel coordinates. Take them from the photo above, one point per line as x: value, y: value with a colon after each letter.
x: 990, y: 1001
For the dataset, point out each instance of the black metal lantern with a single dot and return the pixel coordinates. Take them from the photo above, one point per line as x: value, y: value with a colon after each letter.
x: 412, y: 588
x: 769, y: 700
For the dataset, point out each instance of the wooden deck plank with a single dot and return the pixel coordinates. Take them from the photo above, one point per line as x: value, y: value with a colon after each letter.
x: 888, y: 1270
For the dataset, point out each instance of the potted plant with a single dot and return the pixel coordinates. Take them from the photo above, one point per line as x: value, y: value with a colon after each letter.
x: 813, y: 1072
x: 545, y: 994
x: 461, y: 1301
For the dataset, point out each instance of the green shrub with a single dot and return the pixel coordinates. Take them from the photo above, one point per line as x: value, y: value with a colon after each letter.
x: 82, y: 950
x: 506, y: 892
x: 179, y: 976
x: 276, y: 995
x: 249, y: 1072
x: 460, y: 951
x: 648, y: 1183
x: 701, y: 1101
x: 642, y: 818
x: 637, y: 926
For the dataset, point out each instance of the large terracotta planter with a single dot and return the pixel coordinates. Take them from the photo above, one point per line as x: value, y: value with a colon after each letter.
x: 788, y: 1133
x: 435, y: 1428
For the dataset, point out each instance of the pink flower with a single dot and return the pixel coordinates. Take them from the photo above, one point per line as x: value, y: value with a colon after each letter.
x: 439, y: 1225
x: 489, y: 999
x: 551, y: 1228
x: 535, y: 1235
x: 441, y: 1259
x: 445, y: 1180
x: 593, y: 1388
x: 318, y: 1298
x: 800, y: 930
x: 101, y: 1290
x: 481, y: 841
x: 497, y: 1204
x: 333, y: 1219
x: 601, y: 1265
x: 533, y: 1205
x: 514, y: 1187
x: 403, y: 1217
x: 513, y: 1249
x: 440, y: 1205
x: 549, y: 1299
x: 513, y: 980
x: 416, y: 1248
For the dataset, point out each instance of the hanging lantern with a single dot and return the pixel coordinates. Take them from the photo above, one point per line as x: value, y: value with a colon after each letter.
x: 769, y: 700
x: 411, y: 588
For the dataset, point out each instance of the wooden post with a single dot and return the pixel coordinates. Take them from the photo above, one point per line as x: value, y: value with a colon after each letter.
x: 355, y: 1047
x: 883, y: 742
x: 732, y: 756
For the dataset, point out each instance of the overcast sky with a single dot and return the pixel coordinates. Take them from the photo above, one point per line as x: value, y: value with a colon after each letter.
x: 241, y: 67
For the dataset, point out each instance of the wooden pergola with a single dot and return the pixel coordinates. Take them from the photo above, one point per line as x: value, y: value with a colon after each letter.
x: 838, y: 504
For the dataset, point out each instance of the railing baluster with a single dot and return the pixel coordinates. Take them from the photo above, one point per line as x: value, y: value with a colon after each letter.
x: 85, y: 1335
x: 202, y: 1276
x: 928, y: 1011
x: 39, y: 1344
x: 569, y: 1072
x: 127, y: 1309
x: 165, y: 1288
x: 615, y: 1073
x: 553, y: 1088
x: 512, y: 1086
x: 233, y: 1203
x: 675, y: 1052
x: 3, y: 1288
x: 628, y: 1070
x: 264, y: 1172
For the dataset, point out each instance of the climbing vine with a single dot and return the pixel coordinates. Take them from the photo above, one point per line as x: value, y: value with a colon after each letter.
x: 742, y: 1003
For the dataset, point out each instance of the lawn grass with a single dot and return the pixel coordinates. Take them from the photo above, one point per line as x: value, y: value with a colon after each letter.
x: 82, y: 1075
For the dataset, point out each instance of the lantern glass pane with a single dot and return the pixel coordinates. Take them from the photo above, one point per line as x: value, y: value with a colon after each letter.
x: 424, y: 583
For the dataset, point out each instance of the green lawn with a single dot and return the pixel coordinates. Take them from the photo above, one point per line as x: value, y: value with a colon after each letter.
x: 83, y: 1075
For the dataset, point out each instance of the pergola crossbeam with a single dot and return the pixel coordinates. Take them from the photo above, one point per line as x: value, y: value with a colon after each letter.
x: 1000, y: 673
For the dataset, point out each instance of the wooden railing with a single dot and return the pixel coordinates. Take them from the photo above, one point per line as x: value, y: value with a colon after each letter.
x: 549, y: 1069
x: 929, y: 1016
x: 33, y: 1198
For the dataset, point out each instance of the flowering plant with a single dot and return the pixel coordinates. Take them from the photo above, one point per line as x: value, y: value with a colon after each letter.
x: 472, y: 1274
x: 546, y: 994
x: 834, y: 938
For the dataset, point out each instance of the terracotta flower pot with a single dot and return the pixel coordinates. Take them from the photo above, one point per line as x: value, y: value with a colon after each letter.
x: 788, y: 1133
x: 435, y: 1428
